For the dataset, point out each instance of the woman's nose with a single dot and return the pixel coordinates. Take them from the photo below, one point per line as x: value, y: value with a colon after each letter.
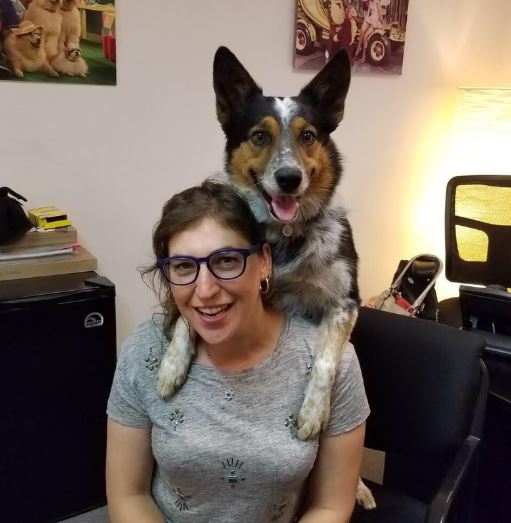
x: 206, y: 284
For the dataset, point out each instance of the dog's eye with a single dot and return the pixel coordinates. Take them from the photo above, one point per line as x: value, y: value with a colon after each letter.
x: 307, y: 138
x: 261, y: 138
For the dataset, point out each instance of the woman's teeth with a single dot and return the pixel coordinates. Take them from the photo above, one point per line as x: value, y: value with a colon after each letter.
x: 212, y: 311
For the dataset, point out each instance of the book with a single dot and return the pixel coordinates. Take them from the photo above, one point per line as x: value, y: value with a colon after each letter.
x: 80, y: 261
x: 39, y: 252
x: 41, y: 237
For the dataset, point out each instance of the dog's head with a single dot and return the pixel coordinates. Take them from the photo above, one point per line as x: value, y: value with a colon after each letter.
x: 278, y: 151
x: 34, y: 39
x: 72, y: 53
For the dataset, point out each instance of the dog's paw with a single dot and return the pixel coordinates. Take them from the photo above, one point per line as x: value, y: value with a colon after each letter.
x: 313, y: 416
x: 365, y: 497
x: 170, y: 379
x: 311, y: 419
x: 176, y: 361
x: 18, y: 73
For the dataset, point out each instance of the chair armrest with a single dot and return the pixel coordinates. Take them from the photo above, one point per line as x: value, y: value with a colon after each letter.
x: 452, y: 482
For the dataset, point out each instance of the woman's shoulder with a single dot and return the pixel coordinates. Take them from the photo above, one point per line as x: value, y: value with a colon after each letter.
x: 147, y: 335
x: 300, y: 329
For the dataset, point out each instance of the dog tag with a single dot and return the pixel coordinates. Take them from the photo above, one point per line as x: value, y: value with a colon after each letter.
x: 287, y: 230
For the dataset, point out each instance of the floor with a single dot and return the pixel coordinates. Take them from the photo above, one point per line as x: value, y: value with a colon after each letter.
x: 99, y: 515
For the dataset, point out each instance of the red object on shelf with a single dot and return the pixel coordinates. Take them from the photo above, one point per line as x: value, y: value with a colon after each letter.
x: 112, y: 49
x: 106, y: 39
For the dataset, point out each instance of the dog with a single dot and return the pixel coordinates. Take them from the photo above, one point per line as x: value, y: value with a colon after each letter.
x: 280, y: 157
x: 71, y: 28
x: 69, y: 61
x: 46, y: 13
x: 25, y: 49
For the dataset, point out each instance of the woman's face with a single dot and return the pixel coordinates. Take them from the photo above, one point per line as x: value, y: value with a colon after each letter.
x: 220, y: 311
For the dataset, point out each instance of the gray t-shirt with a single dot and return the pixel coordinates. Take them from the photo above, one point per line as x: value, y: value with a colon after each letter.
x: 225, y: 446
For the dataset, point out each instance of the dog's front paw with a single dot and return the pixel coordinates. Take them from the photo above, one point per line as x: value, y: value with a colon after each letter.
x: 18, y: 73
x: 311, y: 419
x: 365, y: 497
x: 170, y: 378
x: 176, y: 361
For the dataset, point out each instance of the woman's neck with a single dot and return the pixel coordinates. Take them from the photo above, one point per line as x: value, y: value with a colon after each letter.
x: 251, y: 348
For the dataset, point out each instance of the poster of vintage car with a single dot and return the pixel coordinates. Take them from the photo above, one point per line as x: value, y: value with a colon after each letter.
x: 58, y: 41
x: 372, y: 32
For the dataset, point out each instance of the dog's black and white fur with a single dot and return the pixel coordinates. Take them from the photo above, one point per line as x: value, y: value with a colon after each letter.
x: 280, y: 157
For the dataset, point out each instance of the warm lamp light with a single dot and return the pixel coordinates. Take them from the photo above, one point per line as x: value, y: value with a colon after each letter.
x: 477, y: 143
x: 482, y: 132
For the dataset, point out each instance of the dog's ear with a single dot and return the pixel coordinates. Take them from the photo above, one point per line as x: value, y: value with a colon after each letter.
x: 328, y: 89
x: 233, y: 85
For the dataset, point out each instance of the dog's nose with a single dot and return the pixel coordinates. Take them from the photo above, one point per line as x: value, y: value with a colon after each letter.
x: 288, y: 178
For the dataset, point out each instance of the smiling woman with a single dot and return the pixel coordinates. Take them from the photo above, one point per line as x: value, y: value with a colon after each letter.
x: 223, y: 448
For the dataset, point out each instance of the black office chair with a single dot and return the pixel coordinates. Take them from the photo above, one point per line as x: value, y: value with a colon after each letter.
x: 427, y: 389
x: 478, y: 251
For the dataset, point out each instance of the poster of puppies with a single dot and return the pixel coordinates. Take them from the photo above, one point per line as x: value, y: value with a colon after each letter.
x: 59, y: 41
x: 372, y: 32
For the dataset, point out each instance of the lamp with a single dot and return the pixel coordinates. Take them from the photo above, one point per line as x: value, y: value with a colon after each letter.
x: 481, y: 132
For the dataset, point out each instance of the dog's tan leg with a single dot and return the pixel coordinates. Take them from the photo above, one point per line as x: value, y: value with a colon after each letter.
x: 176, y: 361
x: 48, y: 69
x: 16, y: 67
x: 334, y: 332
x: 364, y: 496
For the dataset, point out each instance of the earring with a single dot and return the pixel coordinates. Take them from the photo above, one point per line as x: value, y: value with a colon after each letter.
x: 264, y: 286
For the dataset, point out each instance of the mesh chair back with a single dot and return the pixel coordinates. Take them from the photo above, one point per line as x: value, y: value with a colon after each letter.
x: 478, y: 230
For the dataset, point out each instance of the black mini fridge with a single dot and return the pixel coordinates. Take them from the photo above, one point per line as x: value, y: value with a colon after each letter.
x: 58, y: 354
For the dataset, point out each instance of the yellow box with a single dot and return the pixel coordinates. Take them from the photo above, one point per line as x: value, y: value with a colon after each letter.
x: 48, y: 217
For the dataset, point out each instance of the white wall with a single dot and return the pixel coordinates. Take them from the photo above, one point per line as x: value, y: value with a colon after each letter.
x: 112, y: 156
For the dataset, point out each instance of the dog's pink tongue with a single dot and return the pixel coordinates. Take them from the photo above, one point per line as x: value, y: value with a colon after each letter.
x: 284, y: 207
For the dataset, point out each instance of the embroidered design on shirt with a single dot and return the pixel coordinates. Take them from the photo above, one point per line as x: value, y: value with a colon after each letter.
x: 292, y: 423
x: 279, y: 509
x: 228, y: 395
x: 176, y: 417
x: 311, y: 361
x: 151, y: 362
x: 181, y: 500
x: 233, y: 467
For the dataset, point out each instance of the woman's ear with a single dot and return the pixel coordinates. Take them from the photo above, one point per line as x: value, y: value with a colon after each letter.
x: 266, y: 261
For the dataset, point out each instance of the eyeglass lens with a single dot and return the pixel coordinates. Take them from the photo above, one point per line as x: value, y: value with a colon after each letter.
x: 223, y: 265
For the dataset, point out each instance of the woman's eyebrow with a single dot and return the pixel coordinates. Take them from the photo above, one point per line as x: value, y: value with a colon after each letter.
x: 225, y: 248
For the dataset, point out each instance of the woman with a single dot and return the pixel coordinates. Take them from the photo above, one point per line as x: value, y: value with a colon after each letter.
x: 223, y: 449
x: 372, y: 21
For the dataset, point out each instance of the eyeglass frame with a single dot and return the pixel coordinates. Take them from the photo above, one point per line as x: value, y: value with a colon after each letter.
x: 161, y: 262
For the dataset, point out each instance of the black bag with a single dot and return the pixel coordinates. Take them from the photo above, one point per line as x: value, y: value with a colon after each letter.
x: 412, y: 291
x: 419, y: 276
x: 14, y: 223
